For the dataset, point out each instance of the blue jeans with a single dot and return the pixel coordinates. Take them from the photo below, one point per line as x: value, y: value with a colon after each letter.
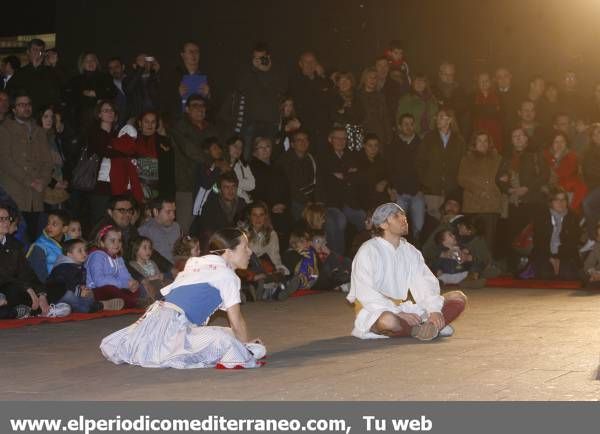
x: 591, y: 211
x: 335, y: 225
x: 78, y: 304
x: 414, y: 206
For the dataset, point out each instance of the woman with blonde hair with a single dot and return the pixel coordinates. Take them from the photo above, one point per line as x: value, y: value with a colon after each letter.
x: 87, y: 88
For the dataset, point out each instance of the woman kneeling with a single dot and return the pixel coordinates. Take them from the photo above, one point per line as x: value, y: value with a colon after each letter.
x: 173, y: 333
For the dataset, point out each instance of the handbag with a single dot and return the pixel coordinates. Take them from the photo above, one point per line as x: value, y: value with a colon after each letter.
x: 85, y: 173
x: 55, y: 196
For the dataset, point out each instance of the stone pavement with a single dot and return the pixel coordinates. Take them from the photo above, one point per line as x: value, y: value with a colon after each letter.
x: 511, y: 344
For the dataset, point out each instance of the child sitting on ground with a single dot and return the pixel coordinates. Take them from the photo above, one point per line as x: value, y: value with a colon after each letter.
x: 107, y: 274
x: 469, y: 239
x: 453, y: 264
x: 184, y: 248
x: 334, y: 269
x: 152, y: 279
x: 591, y: 266
x: 44, y: 252
x: 301, y: 259
x: 74, y: 230
x: 66, y: 283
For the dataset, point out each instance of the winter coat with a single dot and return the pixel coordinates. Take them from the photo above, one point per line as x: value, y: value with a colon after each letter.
x: 271, y: 184
x: 15, y: 271
x: 530, y: 171
x: 591, y: 167
x: 438, y: 165
x: 542, y: 234
x: 24, y: 156
x: 335, y: 192
x: 105, y: 270
x: 423, y: 107
x: 187, y: 142
x: 377, y: 119
x: 566, y: 173
x: 301, y: 174
x: 477, y: 176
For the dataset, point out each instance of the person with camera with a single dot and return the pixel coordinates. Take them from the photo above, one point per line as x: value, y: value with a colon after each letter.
x: 264, y: 88
x: 142, y: 86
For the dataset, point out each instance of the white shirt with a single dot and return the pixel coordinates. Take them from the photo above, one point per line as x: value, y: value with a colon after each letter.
x: 380, y: 273
x: 211, y: 269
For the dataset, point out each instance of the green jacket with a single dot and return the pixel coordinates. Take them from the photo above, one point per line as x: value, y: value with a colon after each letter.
x: 423, y: 109
x: 187, y: 141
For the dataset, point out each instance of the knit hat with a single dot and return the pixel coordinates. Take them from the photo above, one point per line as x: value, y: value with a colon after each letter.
x: 382, y: 212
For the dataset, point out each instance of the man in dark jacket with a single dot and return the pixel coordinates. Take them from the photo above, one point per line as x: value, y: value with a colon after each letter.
x: 402, y: 173
x: 336, y: 188
x: 300, y: 169
x: 221, y: 210
x: 309, y: 89
x: 263, y: 87
x: 188, y: 135
x: 556, y: 234
x: 35, y: 78
x: 438, y: 160
x: 450, y: 95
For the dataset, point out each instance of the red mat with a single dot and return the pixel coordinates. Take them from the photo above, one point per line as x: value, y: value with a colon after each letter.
x: 302, y: 292
x: 16, y: 323
x: 509, y: 282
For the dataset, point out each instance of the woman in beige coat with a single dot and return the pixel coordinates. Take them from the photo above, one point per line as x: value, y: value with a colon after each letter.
x: 477, y: 177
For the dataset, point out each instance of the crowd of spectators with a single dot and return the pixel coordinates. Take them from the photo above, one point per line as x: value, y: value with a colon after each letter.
x: 106, y: 190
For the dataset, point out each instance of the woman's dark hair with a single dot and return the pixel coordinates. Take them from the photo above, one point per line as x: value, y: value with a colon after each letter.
x: 267, y: 228
x: 561, y: 134
x: 135, y: 245
x: 42, y: 110
x: 225, y: 239
x: 230, y: 141
x: 481, y: 133
x: 98, y: 110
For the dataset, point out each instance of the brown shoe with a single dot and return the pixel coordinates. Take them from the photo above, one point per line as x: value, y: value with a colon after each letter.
x: 425, y: 332
x: 113, y: 304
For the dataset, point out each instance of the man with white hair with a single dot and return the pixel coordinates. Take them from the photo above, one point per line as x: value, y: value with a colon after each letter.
x: 384, y: 270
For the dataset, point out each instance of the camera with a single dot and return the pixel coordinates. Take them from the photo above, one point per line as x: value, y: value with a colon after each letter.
x: 265, y: 60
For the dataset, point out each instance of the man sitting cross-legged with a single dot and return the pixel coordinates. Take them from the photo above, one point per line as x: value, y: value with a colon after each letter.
x: 384, y: 270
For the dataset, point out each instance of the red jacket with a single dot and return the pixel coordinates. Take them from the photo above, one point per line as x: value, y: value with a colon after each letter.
x: 567, y: 174
x: 123, y: 172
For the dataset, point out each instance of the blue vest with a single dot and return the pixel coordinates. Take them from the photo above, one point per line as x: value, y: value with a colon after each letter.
x: 199, y: 301
x: 51, y: 248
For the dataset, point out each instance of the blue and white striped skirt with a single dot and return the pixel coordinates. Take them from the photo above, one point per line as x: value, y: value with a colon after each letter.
x: 164, y: 338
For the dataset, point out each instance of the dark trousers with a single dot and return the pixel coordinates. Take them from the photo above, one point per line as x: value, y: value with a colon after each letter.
x: 568, y: 270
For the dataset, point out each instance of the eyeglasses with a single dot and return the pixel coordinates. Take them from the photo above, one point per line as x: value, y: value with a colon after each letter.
x: 125, y: 210
x: 6, y: 219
